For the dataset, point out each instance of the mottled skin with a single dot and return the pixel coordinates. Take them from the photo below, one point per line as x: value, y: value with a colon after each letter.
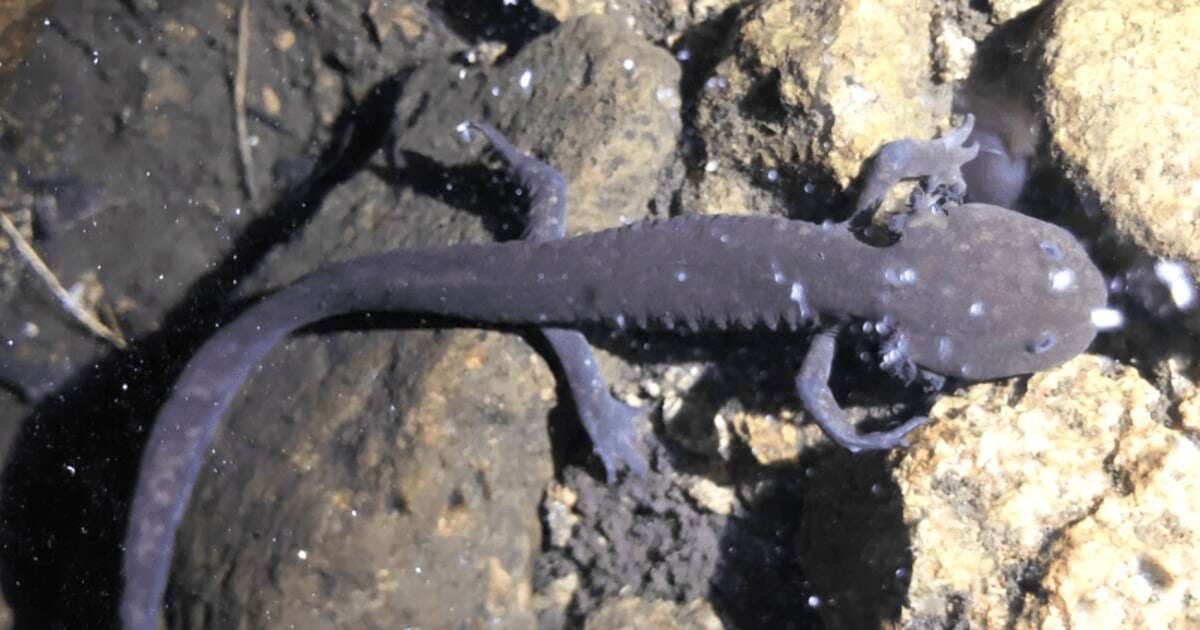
x: 978, y: 293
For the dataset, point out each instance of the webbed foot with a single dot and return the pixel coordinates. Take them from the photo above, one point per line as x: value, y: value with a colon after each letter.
x: 938, y: 161
x: 614, y: 436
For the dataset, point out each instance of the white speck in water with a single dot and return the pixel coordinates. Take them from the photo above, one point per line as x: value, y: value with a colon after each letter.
x: 772, y: 175
x: 908, y: 276
x: 976, y: 309
x: 716, y: 83
x: 464, y: 131
x: 302, y: 554
x: 681, y: 276
x: 724, y: 238
x: 1107, y: 318
x: 1178, y: 281
x: 665, y: 94
x: 541, y: 317
x: 890, y: 277
x: 868, y: 327
x: 620, y: 320
x: 525, y: 80
x: 809, y: 188
x: 628, y: 64
x: 70, y: 469
x: 1062, y: 279
x: 813, y: 601
x: 779, y: 278
x: 683, y: 54
x: 495, y: 90
x: 901, y: 573
x: 711, y: 166
x: 965, y: 370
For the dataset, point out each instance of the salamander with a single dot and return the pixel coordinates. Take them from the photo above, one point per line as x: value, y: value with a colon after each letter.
x: 971, y: 291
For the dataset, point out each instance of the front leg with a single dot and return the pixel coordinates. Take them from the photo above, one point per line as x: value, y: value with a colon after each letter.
x: 812, y: 385
x: 609, y: 423
x: 939, y: 161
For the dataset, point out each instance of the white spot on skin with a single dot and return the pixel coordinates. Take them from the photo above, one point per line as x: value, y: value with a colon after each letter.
x: 945, y: 348
x: 1107, y: 318
x: 1178, y: 281
x: 1051, y: 250
x: 1062, y: 279
x: 797, y: 296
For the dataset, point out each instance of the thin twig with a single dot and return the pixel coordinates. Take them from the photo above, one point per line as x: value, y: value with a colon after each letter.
x: 239, y: 101
x: 88, y: 320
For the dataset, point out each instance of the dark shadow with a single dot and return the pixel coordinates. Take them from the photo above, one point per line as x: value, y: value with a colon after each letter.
x: 513, y: 24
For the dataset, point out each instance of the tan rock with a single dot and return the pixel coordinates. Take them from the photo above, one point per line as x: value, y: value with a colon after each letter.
x: 830, y: 81
x: 632, y: 613
x: 1070, y: 475
x: 612, y: 158
x: 1120, y: 95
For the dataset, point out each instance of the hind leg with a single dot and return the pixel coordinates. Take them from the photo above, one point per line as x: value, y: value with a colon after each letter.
x: 609, y: 423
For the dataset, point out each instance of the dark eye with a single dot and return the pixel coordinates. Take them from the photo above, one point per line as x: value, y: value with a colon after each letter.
x: 1042, y: 344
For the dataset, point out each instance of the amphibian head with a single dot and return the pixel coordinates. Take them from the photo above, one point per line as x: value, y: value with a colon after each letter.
x: 987, y: 292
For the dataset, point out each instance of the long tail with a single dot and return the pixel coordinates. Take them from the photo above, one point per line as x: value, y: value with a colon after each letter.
x: 182, y: 432
x: 472, y: 281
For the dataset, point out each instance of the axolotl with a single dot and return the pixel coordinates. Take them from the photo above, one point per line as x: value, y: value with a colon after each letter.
x: 971, y: 291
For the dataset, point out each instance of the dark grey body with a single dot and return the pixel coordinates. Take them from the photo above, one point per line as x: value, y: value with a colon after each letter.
x: 972, y: 294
